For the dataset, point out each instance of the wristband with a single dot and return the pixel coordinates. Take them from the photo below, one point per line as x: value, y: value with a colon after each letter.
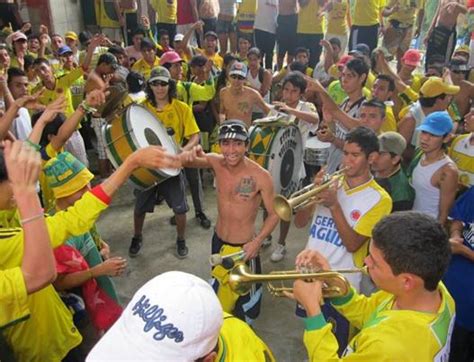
x: 31, y: 219
x: 36, y: 146
x: 91, y: 275
x: 87, y: 108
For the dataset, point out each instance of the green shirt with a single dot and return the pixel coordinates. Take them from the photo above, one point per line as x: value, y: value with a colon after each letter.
x: 399, y: 189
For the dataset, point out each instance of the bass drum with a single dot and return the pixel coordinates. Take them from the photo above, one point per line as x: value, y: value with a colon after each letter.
x: 280, y: 151
x: 134, y: 128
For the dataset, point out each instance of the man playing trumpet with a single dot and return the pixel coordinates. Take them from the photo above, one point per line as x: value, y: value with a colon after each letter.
x: 344, y: 214
x: 410, y: 318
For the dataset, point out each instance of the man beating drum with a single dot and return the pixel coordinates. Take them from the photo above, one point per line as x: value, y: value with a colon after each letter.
x: 241, y: 187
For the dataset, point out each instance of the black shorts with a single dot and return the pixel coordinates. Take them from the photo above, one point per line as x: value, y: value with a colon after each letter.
x: 172, y: 190
x: 225, y: 26
x: 286, y: 34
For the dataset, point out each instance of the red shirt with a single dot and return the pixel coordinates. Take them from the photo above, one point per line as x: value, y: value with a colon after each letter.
x: 184, y: 13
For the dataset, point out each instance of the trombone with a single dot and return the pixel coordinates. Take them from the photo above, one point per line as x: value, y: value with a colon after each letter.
x: 286, y: 207
x: 335, y: 283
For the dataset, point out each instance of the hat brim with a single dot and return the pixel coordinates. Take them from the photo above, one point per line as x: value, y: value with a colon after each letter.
x: 412, y: 63
x: 452, y: 89
x: 237, y: 72
x: 163, y: 79
x: 426, y: 128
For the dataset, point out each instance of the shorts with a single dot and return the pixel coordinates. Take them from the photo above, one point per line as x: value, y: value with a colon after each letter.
x: 286, y: 34
x: 225, y: 26
x: 245, y: 307
x: 97, y: 124
x: 172, y: 190
x: 397, y: 38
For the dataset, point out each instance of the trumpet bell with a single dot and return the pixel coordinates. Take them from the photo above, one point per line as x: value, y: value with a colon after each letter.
x: 282, y: 208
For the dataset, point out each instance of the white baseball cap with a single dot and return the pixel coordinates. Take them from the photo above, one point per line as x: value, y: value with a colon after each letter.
x: 175, y: 316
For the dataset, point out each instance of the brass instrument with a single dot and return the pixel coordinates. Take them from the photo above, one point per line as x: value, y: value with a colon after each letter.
x: 335, y: 284
x: 286, y: 207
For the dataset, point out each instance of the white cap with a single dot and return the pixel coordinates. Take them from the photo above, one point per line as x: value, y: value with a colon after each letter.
x: 175, y: 316
x: 178, y: 37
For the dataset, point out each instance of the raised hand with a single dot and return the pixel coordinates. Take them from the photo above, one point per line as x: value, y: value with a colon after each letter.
x: 155, y: 157
x: 23, y: 165
x: 31, y: 101
x: 96, y: 98
x: 53, y: 109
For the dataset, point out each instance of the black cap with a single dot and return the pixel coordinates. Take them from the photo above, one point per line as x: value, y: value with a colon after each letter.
x: 109, y: 59
x: 233, y: 129
x: 210, y: 33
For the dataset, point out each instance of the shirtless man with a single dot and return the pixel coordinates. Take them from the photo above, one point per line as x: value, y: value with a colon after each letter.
x: 286, y: 30
x: 242, y: 185
x: 238, y: 100
x: 441, y: 37
x: 459, y: 71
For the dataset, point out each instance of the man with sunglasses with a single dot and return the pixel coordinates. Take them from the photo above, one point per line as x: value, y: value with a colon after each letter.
x: 459, y: 71
x: 242, y: 185
x: 238, y: 100
x: 178, y: 116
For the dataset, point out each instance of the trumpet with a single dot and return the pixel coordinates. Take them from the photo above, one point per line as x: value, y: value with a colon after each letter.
x: 335, y: 283
x: 286, y: 207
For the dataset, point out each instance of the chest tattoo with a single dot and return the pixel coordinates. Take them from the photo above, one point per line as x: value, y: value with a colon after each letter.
x: 246, y: 187
x: 243, y: 107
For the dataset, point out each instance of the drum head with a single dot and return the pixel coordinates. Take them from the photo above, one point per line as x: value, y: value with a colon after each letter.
x: 147, y: 130
x: 315, y: 143
x: 114, y: 100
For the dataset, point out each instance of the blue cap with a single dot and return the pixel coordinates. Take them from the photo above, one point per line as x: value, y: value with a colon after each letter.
x: 64, y: 49
x: 437, y: 123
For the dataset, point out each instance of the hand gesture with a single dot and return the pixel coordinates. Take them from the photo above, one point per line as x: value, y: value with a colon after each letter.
x: 23, y: 165
x: 43, y: 29
x: 154, y: 157
x: 198, y: 25
x: 313, y: 85
x: 325, y: 135
x: 191, y: 155
x: 95, y: 98
x: 104, y: 250
x: 97, y: 39
x: 146, y: 22
x: 251, y: 249
x: 326, y: 44
x: 31, y: 102
x: 282, y: 107
x: 26, y: 27
x: 112, y: 267
x: 53, y: 109
x: 328, y: 196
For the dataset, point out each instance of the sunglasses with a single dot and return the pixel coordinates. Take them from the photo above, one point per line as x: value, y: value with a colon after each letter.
x: 237, y: 128
x: 157, y: 83
x: 235, y: 76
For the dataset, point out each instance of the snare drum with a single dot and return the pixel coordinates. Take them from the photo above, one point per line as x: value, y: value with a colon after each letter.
x: 280, y: 151
x: 316, y: 153
x: 134, y: 128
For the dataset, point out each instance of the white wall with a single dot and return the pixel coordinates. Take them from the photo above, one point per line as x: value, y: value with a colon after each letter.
x: 66, y: 16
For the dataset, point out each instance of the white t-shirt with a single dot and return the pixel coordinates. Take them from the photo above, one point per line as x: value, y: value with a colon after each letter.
x: 363, y: 206
x: 21, y: 125
x: 266, y: 16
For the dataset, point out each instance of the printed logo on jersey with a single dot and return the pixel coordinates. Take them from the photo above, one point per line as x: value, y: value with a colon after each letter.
x: 324, y: 229
x: 355, y: 215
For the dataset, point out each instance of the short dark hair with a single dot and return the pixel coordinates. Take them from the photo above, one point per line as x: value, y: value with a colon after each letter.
x: 335, y: 41
x: 429, y: 102
x: 358, y: 66
x: 172, y: 92
x: 365, y: 138
x: 297, y: 66
x: 296, y: 78
x: 163, y: 32
x: 28, y: 62
x: 39, y: 61
x: 116, y: 50
x: 15, y: 72
x: 302, y: 50
x: 389, y: 80
x: 33, y: 36
x: 374, y: 103
x: 51, y: 128
x: 421, y: 249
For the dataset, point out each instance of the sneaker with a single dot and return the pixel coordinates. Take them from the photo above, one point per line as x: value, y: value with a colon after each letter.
x: 279, y: 253
x: 135, y: 246
x: 267, y: 242
x: 181, y: 249
x: 203, y: 220
x: 173, y: 220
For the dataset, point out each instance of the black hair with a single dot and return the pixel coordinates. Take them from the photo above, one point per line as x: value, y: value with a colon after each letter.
x: 15, y: 72
x: 84, y: 37
x: 302, y: 50
x: 139, y: 30
x: 39, y: 61
x: 28, y: 62
x: 3, y: 168
x: 51, y: 128
x: 296, y: 78
x: 365, y: 138
x: 33, y: 36
x: 147, y: 44
x: 163, y: 32
x: 222, y: 77
x: 456, y: 62
x: 389, y: 80
x: 429, y: 102
x: 358, y: 66
x: 335, y: 41
x: 421, y: 249
x: 116, y: 50
x: 374, y: 103
x: 297, y: 66
x: 172, y: 92
x: 135, y: 82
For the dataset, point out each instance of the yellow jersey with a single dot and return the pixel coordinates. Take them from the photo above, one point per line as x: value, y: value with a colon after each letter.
x: 165, y: 10
x: 142, y: 67
x: 45, y: 314
x: 178, y: 116
x: 462, y: 153
x: 408, y: 9
x: 367, y: 12
x: 309, y: 22
x: 386, y: 334
x: 337, y: 18
x: 390, y: 123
